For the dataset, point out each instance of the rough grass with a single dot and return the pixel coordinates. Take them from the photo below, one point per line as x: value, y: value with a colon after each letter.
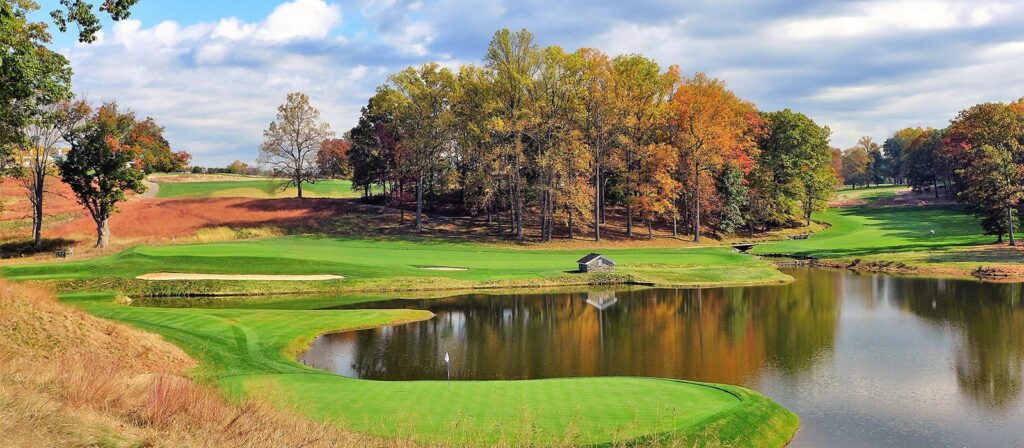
x: 254, y: 188
x: 381, y: 264
x: 68, y: 378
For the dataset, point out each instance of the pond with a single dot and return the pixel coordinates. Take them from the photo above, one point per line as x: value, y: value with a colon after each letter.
x: 865, y: 360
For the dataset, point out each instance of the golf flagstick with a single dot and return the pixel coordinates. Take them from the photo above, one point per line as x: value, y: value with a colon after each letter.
x: 448, y: 368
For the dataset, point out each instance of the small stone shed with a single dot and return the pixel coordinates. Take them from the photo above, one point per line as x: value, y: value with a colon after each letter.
x: 595, y: 263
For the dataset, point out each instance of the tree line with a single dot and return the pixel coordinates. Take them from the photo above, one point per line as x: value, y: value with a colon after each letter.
x: 555, y: 139
x: 978, y: 160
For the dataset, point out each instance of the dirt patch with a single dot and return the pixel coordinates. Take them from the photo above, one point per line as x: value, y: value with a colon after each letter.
x: 442, y: 268
x: 259, y: 277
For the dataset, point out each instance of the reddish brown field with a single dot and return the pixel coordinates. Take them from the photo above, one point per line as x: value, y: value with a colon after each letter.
x: 167, y: 218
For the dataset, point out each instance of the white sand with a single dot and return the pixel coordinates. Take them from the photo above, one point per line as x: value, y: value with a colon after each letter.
x: 184, y: 276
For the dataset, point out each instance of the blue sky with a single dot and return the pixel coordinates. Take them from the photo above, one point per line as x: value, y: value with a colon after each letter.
x: 213, y: 71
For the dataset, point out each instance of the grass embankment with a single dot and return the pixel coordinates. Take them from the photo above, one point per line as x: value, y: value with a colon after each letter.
x: 246, y: 187
x: 68, y: 378
x: 880, y: 232
x: 380, y: 264
x: 250, y: 351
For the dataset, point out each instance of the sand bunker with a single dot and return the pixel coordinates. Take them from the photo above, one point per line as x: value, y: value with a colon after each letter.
x: 185, y: 276
x: 442, y: 268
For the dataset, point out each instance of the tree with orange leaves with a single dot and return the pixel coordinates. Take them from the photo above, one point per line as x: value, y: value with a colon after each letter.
x: 712, y: 126
x: 642, y: 93
x: 99, y: 167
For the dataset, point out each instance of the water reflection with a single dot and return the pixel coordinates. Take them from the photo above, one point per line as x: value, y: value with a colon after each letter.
x: 865, y: 360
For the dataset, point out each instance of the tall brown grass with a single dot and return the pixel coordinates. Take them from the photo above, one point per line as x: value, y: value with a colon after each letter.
x: 70, y: 379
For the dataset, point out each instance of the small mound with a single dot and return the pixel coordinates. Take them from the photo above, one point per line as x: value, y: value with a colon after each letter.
x: 262, y: 277
x: 443, y: 268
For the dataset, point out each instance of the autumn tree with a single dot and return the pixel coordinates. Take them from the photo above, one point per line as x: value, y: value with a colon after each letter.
x: 793, y: 171
x: 373, y: 139
x: 332, y: 160
x: 600, y: 125
x: 292, y: 141
x: 837, y: 165
x: 478, y: 161
x: 558, y: 153
x: 921, y: 160
x: 156, y: 155
x: 512, y: 62
x: 423, y: 118
x: 99, y: 167
x: 987, y: 141
x: 712, y: 128
x: 237, y: 167
x: 734, y: 196
x: 993, y: 188
x: 855, y: 166
x: 642, y: 93
x: 41, y: 146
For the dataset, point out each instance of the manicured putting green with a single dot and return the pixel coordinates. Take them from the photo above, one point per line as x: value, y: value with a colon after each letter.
x: 255, y: 188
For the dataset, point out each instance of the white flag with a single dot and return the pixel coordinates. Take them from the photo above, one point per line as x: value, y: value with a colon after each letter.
x: 446, y: 357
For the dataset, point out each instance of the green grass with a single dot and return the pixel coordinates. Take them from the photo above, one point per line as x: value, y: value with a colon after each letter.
x: 249, y: 352
x: 870, y: 193
x: 254, y: 188
x: 370, y: 264
x: 866, y: 231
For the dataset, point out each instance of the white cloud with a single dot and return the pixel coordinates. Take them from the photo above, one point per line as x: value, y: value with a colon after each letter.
x: 216, y: 86
x: 879, y: 18
x: 300, y: 19
x: 863, y: 68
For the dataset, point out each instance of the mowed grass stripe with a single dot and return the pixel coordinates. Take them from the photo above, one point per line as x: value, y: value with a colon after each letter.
x: 255, y: 188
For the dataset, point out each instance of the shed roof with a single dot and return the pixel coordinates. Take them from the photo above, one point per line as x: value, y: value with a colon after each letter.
x: 591, y: 257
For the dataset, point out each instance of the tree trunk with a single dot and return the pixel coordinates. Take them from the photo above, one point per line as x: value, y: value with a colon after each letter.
x: 650, y: 229
x: 629, y: 218
x: 37, y: 215
x: 597, y: 205
x: 419, y: 204
x: 103, y: 233
x: 696, y: 202
x: 1009, y: 216
x: 570, y: 222
x: 298, y: 184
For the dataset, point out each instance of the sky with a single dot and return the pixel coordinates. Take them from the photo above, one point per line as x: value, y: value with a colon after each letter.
x: 214, y: 71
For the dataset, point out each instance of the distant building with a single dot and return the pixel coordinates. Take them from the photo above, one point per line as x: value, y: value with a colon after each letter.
x: 27, y: 160
x: 595, y: 263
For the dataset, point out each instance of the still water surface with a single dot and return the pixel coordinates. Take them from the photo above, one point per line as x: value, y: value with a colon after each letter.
x: 865, y: 360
